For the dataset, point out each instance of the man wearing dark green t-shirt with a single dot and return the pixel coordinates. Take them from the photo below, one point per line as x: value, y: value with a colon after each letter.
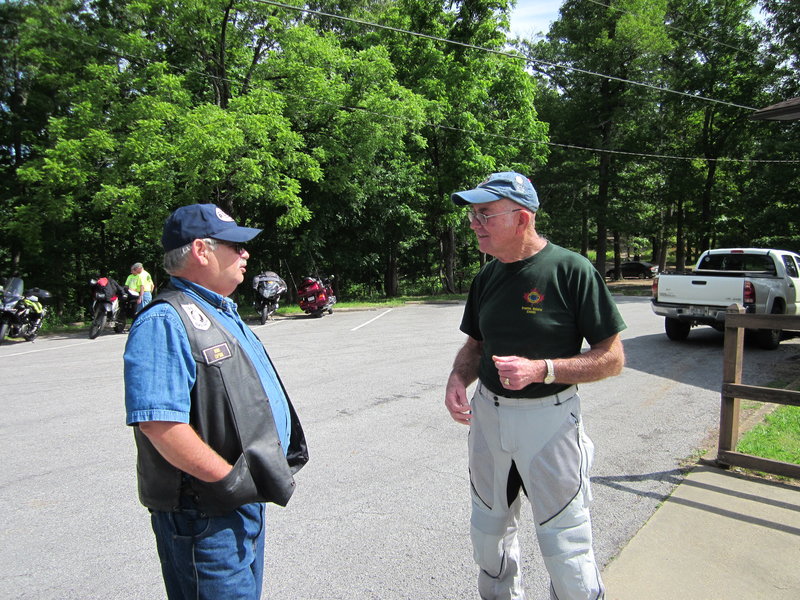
x: 527, y: 315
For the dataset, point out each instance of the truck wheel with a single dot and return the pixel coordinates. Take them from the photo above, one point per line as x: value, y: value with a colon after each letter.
x: 769, y: 339
x: 676, y: 330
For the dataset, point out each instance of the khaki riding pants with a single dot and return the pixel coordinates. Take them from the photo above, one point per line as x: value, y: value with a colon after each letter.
x: 537, y: 444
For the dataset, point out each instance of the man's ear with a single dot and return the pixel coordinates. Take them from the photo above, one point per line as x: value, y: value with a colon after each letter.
x: 200, y: 252
x: 526, y: 219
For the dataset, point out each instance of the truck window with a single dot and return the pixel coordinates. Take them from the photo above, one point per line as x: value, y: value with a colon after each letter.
x: 713, y: 262
x: 791, y: 267
x: 738, y: 262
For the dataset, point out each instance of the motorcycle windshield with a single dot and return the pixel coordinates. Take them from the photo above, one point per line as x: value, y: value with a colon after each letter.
x: 267, y: 277
x: 13, y: 289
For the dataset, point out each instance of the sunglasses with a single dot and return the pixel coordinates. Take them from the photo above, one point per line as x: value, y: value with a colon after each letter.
x: 237, y: 247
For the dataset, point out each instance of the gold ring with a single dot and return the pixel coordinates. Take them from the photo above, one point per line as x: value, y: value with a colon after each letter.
x: 507, y: 381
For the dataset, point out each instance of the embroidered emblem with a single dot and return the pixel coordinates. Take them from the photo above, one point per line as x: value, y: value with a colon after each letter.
x: 217, y: 353
x: 196, y: 316
x: 223, y: 216
x: 533, y: 300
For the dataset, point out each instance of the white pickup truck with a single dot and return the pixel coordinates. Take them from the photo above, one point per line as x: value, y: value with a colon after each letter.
x: 763, y: 281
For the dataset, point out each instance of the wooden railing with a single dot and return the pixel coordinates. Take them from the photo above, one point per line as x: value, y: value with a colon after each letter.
x: 736, y: 320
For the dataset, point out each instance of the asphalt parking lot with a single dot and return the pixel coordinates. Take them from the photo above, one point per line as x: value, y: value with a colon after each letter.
x: 382, y: 509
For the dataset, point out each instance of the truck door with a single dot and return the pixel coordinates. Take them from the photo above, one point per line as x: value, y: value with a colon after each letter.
x: 793, y: 275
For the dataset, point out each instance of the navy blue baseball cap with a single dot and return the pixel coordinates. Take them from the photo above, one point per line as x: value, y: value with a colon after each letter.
x: 508, y: 184
x: 197, y: 221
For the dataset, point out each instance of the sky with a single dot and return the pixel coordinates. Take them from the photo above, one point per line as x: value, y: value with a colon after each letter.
x: 533, y: 16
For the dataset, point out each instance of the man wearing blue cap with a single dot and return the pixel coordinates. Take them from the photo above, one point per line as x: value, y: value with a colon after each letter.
x: 527, y: 314
x: 216, y: 434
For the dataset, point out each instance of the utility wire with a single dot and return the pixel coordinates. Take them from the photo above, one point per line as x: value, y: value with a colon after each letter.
x: 503, y: 53
x: 141, y: 60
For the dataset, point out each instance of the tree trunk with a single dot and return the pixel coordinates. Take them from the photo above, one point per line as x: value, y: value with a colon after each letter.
x: 585, y: 226
x: 448, y: 248
x: 391, y: 283
x: 602, y: 210
x: 680, y: 236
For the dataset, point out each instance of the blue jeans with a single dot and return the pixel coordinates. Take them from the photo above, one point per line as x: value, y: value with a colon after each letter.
x: 210, y: 558
x: 147, y: 298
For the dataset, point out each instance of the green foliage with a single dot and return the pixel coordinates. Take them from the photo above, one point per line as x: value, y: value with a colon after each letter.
x: 344, y: 141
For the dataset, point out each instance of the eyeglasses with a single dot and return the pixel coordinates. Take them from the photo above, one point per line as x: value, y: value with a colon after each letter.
x: 483, y: 219
x: 237, y: 247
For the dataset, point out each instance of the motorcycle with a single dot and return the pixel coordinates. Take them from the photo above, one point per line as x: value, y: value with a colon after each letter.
x: 22, y: 312
x: 112, y: 304
x: 316, y: 295
x: 267, y: 287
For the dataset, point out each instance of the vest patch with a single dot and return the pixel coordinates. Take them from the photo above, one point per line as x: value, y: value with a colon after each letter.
x: 196, y: 316
x: 217, y: 353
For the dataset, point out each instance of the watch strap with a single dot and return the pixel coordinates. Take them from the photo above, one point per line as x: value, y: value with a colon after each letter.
x: 551, y: 372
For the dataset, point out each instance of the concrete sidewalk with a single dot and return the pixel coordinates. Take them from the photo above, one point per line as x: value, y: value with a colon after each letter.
x: 720, y: 535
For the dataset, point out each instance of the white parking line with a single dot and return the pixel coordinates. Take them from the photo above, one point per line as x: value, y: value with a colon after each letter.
x: 387, y: 311
x: 270, y: 323
x: 47, y: 349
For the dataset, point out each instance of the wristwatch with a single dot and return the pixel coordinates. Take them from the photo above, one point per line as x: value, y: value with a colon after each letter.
x: 551, y: 372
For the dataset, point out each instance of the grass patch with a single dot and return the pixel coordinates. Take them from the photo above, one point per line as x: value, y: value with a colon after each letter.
x: 777, y: 438
x: 378, y: 303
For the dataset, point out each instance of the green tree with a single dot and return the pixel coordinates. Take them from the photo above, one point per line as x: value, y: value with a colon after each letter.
x: 625, y: 40
x: 729, y: 66
x: 480, y: 113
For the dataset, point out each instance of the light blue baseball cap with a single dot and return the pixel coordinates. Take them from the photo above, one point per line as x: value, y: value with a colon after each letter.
x: 508, y: 184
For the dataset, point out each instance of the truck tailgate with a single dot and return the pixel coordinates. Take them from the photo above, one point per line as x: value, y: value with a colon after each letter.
x: 700, y: 290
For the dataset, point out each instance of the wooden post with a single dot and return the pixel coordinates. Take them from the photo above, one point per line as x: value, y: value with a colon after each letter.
x: 731, y: 373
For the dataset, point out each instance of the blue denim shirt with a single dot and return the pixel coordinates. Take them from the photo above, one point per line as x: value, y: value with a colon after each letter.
x: 160, y: 371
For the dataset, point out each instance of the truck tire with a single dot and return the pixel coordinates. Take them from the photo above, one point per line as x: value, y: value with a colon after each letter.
x: 769, y: 339
x: 676, y: 330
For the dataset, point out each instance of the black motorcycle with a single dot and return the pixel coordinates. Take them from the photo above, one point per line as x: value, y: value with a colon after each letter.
x: 267, y: 287
x: 112, y: 304
x: 22, y: 311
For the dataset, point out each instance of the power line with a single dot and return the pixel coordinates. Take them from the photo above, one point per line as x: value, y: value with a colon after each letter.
x: 141, y: 60
x: 502, y: 53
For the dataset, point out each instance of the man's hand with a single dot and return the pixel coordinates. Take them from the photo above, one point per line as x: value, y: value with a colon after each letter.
x: 456, y: 401
x: 603, y: 359
x: 517, y: 372
x: 465, y: 371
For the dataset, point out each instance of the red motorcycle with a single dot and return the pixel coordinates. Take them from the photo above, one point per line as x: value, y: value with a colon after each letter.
x: 112, y: 305
x: 316, y: 295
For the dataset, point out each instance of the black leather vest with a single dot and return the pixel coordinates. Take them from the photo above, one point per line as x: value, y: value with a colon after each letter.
x: 231, y: 413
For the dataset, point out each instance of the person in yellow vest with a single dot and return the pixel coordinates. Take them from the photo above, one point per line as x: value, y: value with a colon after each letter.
x: 142, y: 283
x: 132, y: 282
